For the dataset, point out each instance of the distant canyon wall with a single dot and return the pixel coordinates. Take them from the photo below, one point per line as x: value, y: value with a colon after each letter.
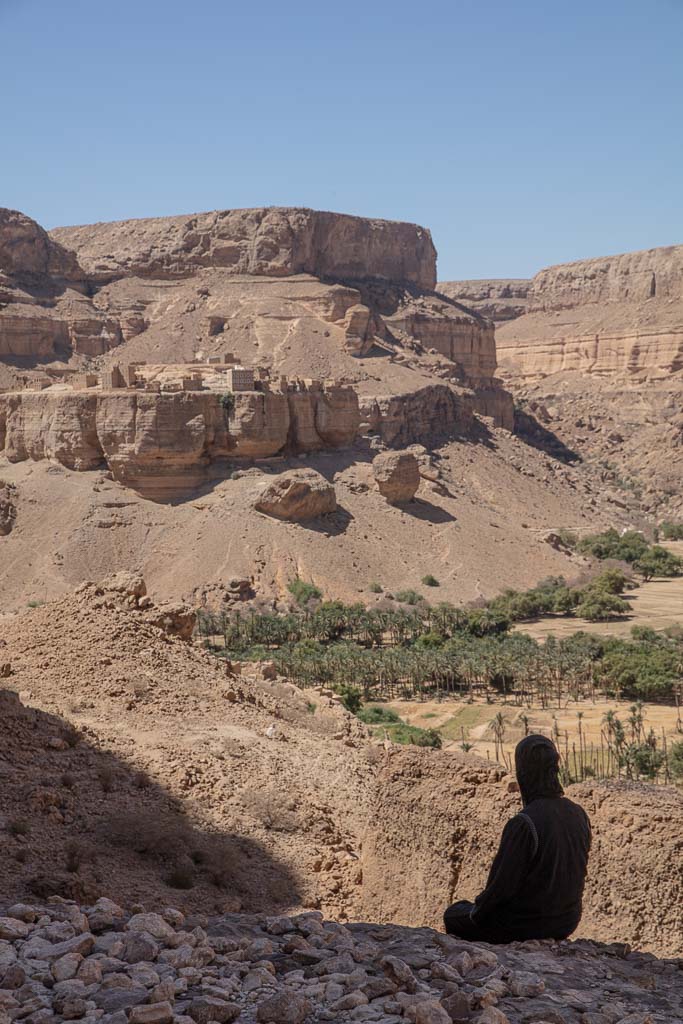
x: 617, y: 314
x: 498, y: 299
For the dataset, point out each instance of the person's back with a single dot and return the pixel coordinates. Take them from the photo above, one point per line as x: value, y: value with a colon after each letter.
x: 535, y: 886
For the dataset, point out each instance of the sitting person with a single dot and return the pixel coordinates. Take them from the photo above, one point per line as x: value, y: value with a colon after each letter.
x: 535, y: 885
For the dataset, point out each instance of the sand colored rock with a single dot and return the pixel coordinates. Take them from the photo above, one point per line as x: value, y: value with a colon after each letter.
x: 433, y: 412
x: 608, y: 315
x: 297, y: 496
x: 273, y: 242
x: 397, y: 475
x: 498, y: 299
x: 165, y: 444
x: 44, y: 308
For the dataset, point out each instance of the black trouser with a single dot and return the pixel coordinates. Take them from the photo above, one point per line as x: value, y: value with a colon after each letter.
x: 457, y: 922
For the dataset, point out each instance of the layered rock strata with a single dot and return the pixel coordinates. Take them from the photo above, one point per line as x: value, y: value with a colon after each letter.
x: 270, y: 242
x: 429, y: 414
x: 164, y: 445
x: 498, y: 299
x: 617, y: 314
x: 44, y: 308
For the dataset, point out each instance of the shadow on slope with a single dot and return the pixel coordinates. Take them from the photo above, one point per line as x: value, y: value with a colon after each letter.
x: 537, y: 436
x: 80, y: 823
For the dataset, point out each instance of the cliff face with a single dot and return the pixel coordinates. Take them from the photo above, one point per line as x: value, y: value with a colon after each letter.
x: 499, y: 299
x: 618, y: 314
x: 165, y: 445
x: 270, y: 242
x: 44, y: 311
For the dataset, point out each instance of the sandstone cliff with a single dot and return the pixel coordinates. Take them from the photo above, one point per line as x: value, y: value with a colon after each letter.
x: 609, y: 315
x: 44, y: 308
x: 270, y: 242
x: 164, y: 445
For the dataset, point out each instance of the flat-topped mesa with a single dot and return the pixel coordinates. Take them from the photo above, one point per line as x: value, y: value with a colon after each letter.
x: 629, y: 277
x: 498, y: 299
x: 270, y: 242
x: 616, y: 314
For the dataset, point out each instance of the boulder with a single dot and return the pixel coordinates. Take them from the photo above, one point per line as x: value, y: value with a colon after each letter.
x: 397, y: 475
x: 296, y: 496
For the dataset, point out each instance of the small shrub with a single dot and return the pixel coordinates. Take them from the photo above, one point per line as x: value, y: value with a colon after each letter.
x: 141, y: 780
x: 375, y: 588
x: 181, y: 876
x: 375, y: 714
x: 303, y: 592
x: 34, y: 604
x: 430, y: 581
x: 669, y: 530
x: 310, y: 707
x: 409, y: 597
x: 107, y: 776
x: 76, y: 853
x: 676, y: 761
x: 18, y: 826
x: 351, y: 696
x: 227, y: 401
x: 268, y: 806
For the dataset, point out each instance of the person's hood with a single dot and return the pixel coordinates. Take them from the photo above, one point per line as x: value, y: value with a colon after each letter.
x: 537, y: 765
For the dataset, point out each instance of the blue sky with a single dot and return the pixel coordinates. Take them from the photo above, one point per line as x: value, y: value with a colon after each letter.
x: 522, y: 134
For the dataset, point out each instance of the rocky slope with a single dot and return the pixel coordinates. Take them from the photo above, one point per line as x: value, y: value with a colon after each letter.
x: 63, y: 961
x: 138, y: 767
x: 483, y: 508
x: 498, y: 299
x: 45, y: 311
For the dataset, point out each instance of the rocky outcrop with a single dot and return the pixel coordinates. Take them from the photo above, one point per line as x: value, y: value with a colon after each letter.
x: 8, y: 509
x: 618, y: 314
x: 271, y: 242
x: 29, y: 255
x: 296, y: 496
x: 498, y: 299
x: 165, y: 444
x: 450, y: 330
x: 397, y: 475
x: 433, y: 412
x: 44, y: 311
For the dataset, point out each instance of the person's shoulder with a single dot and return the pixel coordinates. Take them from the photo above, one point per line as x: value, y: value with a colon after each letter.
x: 575, y: 809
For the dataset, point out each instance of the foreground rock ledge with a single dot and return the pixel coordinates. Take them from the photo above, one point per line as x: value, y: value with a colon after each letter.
x: 65, y: 962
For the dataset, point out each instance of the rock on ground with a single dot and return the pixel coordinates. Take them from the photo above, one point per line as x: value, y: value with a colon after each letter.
x: 297, y: 496
x: 397, y: 475
x: 60, y: 962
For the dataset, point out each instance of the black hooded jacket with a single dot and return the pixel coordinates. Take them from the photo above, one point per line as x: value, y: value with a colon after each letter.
x: 535, y: 885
